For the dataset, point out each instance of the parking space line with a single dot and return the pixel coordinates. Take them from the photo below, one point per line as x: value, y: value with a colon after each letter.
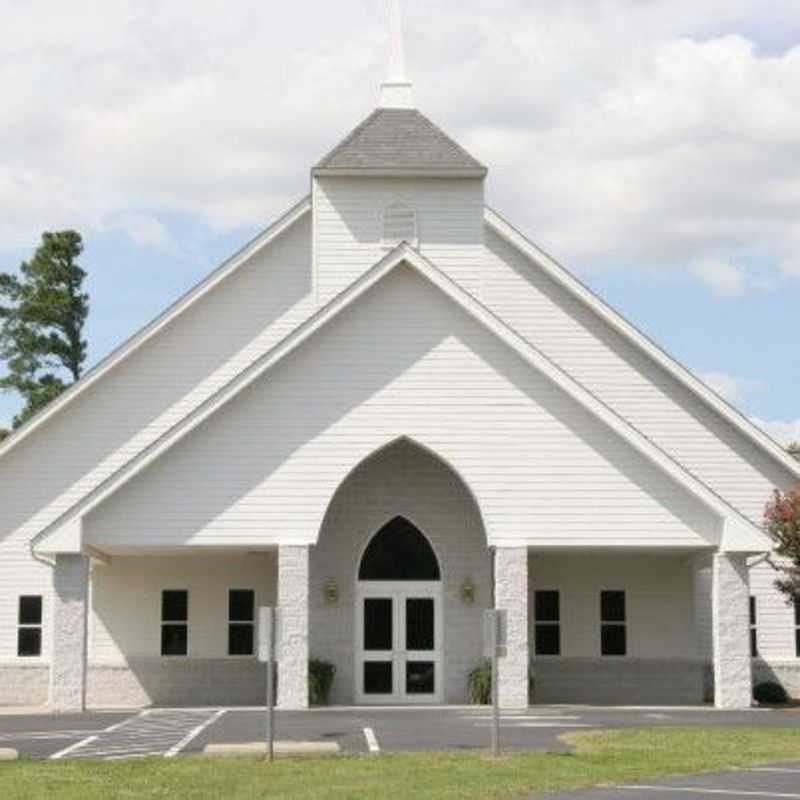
x: 372, y: 740
x: 193, y: 734
x: 700, y: 790
x: 773, y: 769
x: 91, y: 739
x: 74, y: 746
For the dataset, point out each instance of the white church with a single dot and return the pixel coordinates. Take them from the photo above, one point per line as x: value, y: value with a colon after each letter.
x: 388, y: 413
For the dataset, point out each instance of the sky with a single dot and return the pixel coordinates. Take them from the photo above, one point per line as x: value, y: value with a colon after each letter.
x: 652, y: 147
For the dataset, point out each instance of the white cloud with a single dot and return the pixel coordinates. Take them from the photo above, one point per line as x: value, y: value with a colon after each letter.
x: 734, y: 390
x: 723, y: 278
x: 654, y: 133
x: 783, y: 432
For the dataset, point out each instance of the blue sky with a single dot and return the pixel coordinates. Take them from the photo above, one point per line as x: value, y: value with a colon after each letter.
x: 652, y: 147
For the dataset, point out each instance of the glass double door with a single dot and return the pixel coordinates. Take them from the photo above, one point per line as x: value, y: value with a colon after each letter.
x: 399, y: 643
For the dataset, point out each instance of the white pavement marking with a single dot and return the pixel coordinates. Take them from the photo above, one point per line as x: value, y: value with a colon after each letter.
x: 372, y: 740
x: 699, y: 790
x: 772, y: 769
x: 506, y: 724
x: 90, y: 739
x: 67, y: 750
x: 193, y: 734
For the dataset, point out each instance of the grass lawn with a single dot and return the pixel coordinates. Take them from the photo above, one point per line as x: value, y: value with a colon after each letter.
x: 612, y: 756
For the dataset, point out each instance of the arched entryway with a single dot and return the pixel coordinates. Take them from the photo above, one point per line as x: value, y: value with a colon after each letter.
x: 402, y: 517
x: 399, y: 619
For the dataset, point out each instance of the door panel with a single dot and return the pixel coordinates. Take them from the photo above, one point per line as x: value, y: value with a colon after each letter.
x: 398, y: 642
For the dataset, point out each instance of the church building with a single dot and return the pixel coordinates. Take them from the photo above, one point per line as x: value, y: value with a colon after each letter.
x: 388, y: 413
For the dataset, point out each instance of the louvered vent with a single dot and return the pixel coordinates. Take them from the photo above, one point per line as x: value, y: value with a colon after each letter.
x: 399, y: 225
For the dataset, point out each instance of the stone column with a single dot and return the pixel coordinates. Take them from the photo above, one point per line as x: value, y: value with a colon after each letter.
x: 733, y: 678
x: 70, y: 614
x: 511, y: 595
x: 293, y: 602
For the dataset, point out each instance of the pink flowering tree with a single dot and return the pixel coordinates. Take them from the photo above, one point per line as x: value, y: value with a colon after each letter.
x: 782, y: 522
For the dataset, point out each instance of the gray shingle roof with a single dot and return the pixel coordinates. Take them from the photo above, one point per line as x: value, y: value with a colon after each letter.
x: 392, y: 141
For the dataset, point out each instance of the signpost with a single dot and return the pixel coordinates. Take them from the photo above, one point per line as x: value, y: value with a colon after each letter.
x: 268, y: 622
x: 494, y: 648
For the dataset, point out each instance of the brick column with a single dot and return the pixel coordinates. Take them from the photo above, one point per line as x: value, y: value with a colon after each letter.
x: 68, y: 664
x: 733, y: 678
x: 511, y: 595
x: 293, y: 602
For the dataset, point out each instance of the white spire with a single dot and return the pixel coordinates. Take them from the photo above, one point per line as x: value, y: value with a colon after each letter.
x: 396, y: 91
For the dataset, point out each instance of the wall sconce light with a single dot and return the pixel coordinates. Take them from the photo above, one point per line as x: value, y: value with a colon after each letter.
x: 331, y: 592
x: 468, y: 591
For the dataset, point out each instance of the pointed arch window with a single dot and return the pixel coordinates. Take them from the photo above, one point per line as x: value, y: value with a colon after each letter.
x: 399, y: 225
x: 399, y: 552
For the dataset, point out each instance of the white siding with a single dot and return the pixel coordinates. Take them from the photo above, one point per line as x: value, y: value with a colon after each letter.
x: 776, y: 625
x: 133, y: 404
x: 348, y: 226
x: 627, y: 380
x: 403, y: 361
x: 125, y: 619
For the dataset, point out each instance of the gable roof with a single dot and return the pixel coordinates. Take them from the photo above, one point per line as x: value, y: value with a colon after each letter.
x: 580, y: 291
x: 399, y: 141
x: 750, y: 536
x: 152, y: 328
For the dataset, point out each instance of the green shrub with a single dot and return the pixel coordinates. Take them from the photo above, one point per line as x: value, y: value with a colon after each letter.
x: 479, y: 682
x: 770, y: 693
x: 320, y: 679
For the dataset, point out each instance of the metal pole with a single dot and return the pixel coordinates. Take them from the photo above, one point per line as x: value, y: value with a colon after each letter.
x: 271, y: 689
x: 495, y: 689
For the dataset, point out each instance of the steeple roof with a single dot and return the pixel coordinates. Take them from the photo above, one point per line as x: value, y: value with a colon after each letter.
x: 399, y: 141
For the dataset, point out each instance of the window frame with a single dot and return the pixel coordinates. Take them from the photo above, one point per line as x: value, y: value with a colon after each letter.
x: 753, y: 617
x: 30, y: 626
x: 240, y: 622
x: 175, y: 622
x: 614, y: 623
x: 542, y: 622
x: 797, y: 626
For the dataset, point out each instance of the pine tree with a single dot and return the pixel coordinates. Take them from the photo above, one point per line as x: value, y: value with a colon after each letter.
x: 42, y: 314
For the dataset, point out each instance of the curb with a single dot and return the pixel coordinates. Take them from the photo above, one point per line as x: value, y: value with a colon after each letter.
x: 282, y: 749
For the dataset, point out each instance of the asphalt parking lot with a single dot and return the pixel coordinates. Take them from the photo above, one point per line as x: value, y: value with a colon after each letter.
x: 779, y: 781
x: 179, y: 732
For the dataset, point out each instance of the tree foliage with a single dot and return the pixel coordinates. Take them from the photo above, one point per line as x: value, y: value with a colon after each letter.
x: 794, y: 450
x: 43, y: 310
x: 782, y: 521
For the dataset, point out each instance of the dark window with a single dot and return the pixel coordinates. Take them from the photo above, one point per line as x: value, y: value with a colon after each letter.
x: 175, y: 606
x: 29, y: 631
x: 420, y: 677
x: 420, y: 623
x: 174, y: 622
x: 378, y: 677
x: 399, y: 552
x: 378, y: 624
x: 241, y: 622
x: 613, y: 617
x: 547, y: 619
x: 753, y: 627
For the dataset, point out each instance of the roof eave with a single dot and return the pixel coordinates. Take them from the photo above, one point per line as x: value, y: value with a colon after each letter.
x: 395, y: 172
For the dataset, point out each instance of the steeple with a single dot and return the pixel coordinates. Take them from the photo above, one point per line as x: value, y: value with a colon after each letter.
x: 397, y: 90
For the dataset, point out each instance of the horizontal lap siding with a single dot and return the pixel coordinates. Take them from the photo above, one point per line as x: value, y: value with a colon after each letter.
x: 403, y: 361
x: 141, y: 399
x: 349, y: 231
x: 776, y: 625
x: 627, y: 380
